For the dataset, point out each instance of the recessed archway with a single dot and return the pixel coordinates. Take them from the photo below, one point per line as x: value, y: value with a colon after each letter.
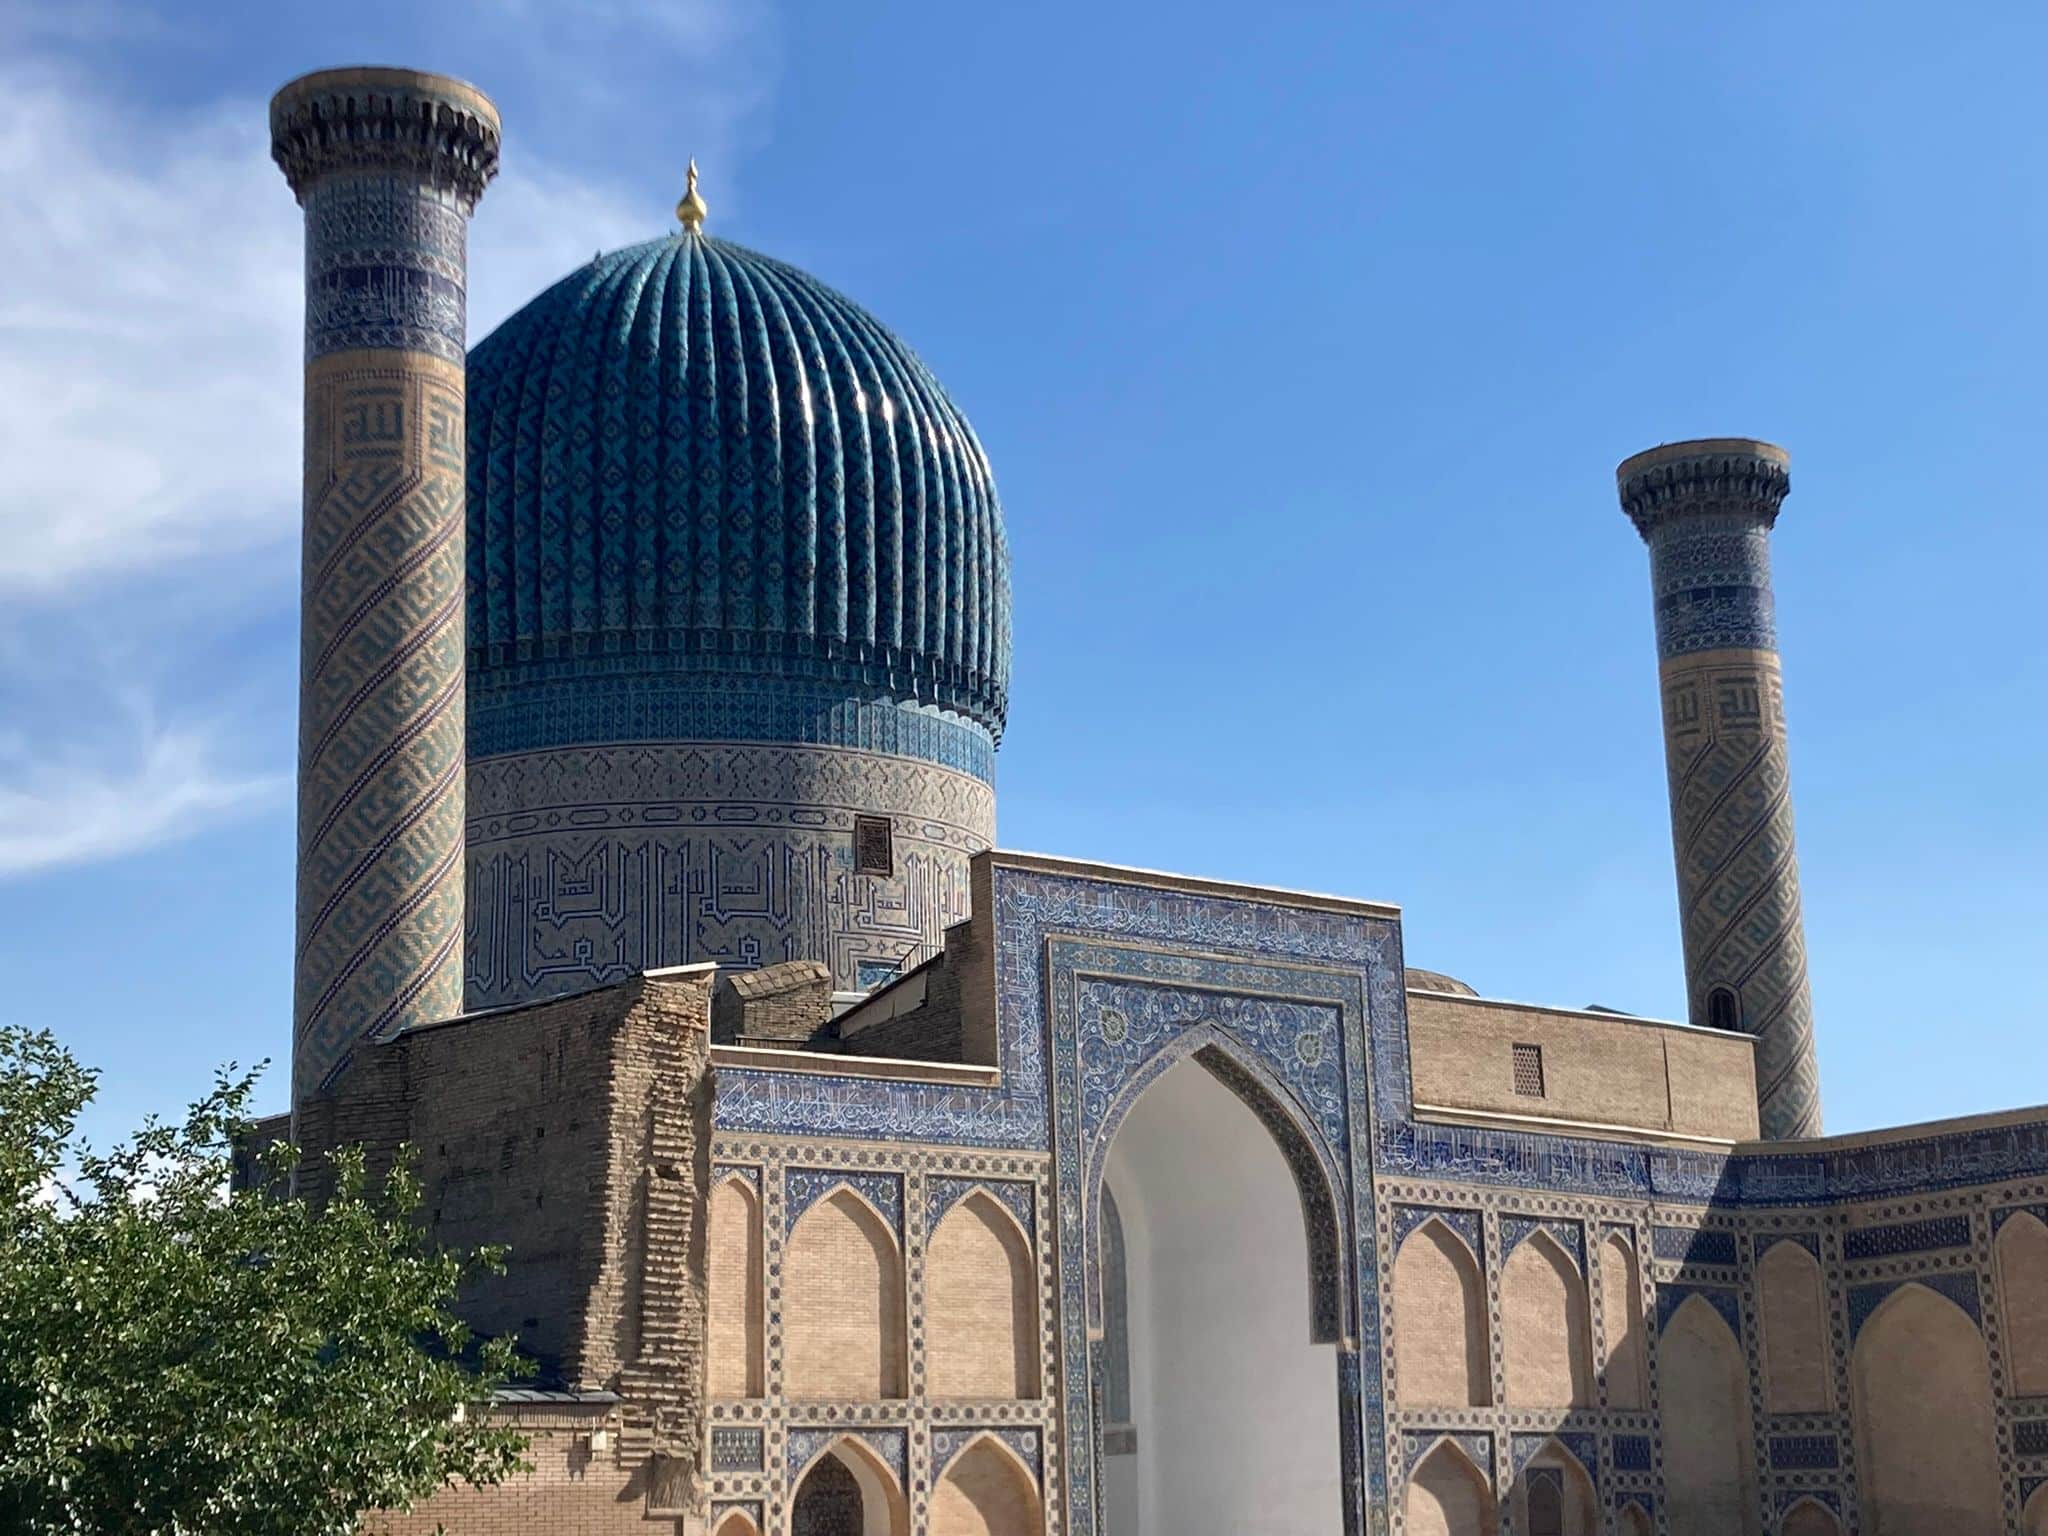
x: 847, y: 1490
x: 1233, y: 1404
x: 1448, y: 1495
x: 986, y: 1491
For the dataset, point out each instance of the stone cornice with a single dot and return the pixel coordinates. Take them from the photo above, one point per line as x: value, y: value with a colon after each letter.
x: 1710, y: 475
x: 437, y: 128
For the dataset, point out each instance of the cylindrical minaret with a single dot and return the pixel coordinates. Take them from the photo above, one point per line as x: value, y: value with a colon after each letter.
x: 1706, y: 509
x: 388, y: 164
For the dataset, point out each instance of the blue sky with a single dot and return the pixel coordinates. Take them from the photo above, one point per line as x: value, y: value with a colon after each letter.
x: 1304, y: 341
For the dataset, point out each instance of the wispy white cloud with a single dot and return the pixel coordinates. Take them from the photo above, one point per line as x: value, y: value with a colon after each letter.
x: 149, y: 326
x: 77, y: 806
x: 150, y: 400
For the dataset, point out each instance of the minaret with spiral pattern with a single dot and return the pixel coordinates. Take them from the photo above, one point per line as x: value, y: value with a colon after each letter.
x: 388, y: 165
x: 1706, y: 509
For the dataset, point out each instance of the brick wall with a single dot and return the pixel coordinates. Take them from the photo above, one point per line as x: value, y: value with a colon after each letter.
x: 1599, y: 1070
x: 576, y: 1134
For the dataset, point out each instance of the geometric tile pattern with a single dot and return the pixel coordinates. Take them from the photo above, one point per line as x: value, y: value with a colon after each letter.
x: 1707, y: 517
x: 1693, y: 1245
x: 388, y: 167
x: 1958, y: 1288
x: 589, y: 864
x: 1515, y: 1230
x: 1907, y: 1237
x: 804, y: 1187
x: 941, y: 1195
x: 686, y: 458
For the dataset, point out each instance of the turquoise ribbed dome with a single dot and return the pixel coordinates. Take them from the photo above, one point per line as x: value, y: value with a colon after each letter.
x: 710, y: 496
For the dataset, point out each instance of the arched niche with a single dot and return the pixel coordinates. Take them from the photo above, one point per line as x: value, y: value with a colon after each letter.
x: 1545, y: 1338
x: 1448, y: 1495
x: 2022, y: 1258
x: 1624, y: 1372
x: 847, y: 1490
x: 736, y: 1522
x: 1709, y: 1458
x: 1440, y: 1355
x: 842, y: 1306
x: 1235, y: 1423
x: 734, y: 1291
x: 1310, y: 1162
x: 1553, y: 1496
x: 1634, y: 1520
x: 981, y: 1304
x: 1794, y: 1312
x: 1921, y: 1380
x: 986, y: 1490
x: 2034, y: 1518
x: 1809, y: 1517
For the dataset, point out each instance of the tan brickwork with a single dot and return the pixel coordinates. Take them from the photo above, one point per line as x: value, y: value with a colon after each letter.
x: 980, y: 1305
x: 735, y: 1290
x: 2022, y: 1255
x: 1621, y: 1310
x: 576, y: 1134
x: 1708, y: 1457
x: 1810, y: 1518
x: 985, y: 1492
x: 789, y: 1002
x: 573, y: 1490
x: 1546, y: 1347
x: 842, y: 1286
x: 1603, y: 1073
x: 1794, y: 1308
x: 1439, y: 1320
x: 1925, y: 1420
x: 1448, y: 1496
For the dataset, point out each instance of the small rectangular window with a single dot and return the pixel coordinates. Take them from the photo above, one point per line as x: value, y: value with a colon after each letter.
x: 1529, y: 1071
x: 874, y: 850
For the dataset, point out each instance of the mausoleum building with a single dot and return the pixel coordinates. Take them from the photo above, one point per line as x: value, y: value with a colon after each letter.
x: 860, y: 1176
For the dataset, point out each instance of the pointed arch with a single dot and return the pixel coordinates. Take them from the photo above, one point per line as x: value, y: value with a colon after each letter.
x: 842, y: 1313
x: 981, y: 1304
x: 876, y: 1506
x: 986, y: 1490
x: 1554, y: 1495
x: 736, y: 1522
x: 1709, y: 1460
x: 1809, y: 1517
x: 1633, y: 1520
x: 1625, y: 1371
x: 1309, y: 1159
x: 1545, y: 1336
x: 2034, y: 1517
x: 1449, y: 1495
x: 2021, y: 1254
x: 1921, y: 1381
x: 1794, y: 1312
x: 735, y: 1268
x: 1440, y: 1355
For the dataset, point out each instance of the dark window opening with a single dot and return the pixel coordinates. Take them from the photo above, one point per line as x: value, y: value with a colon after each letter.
x: 1529, y: 1071
x: 1723, y: 1011
x: 874, y: 846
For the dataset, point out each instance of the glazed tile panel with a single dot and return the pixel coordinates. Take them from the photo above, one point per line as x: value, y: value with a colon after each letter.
x: 589, y: 864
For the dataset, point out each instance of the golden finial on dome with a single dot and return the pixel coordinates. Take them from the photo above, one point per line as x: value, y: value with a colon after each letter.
x: 691, y: 210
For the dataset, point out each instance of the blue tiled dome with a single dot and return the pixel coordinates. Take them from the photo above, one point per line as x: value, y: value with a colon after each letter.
x: 711, y: 497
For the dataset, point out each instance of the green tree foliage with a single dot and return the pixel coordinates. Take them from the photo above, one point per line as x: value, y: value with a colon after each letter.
x: 177, y: 1360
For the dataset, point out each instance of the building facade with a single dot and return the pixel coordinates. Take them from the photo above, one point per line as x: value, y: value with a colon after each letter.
x: 859, y: 1177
